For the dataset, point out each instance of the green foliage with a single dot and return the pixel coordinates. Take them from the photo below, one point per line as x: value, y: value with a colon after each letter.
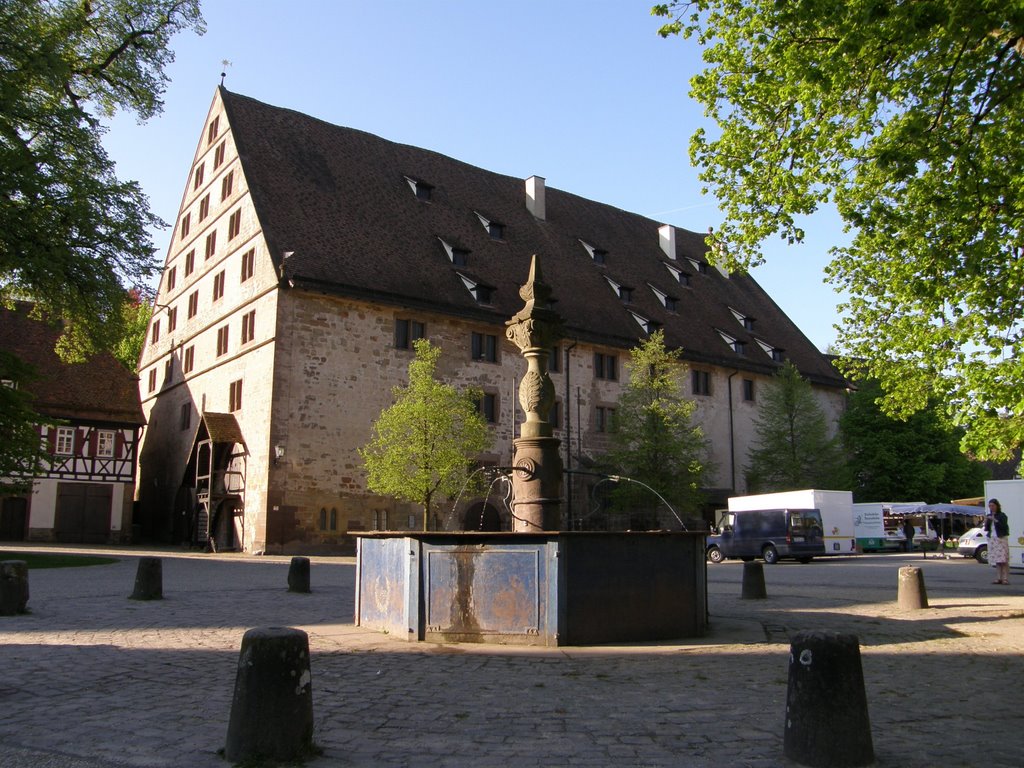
x: 792, y: 447
x: 21, y: 449
x: 71, y: 233
x: 654, y: 439
x: 424, y: 444
x: 909, y: 117
x: 135, y: 316
x: 891, y: 459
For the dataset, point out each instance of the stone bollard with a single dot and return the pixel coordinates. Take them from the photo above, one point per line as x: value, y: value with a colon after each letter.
x: 272, y: 708
x: 13, y: 587
x: 298, y: 575
x: 827, y: 722
x: 149, y: 579
x: 911, y: 594
x: 753, y: 582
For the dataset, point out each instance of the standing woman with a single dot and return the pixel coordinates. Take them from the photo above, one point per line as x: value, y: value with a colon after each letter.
x: 998, y: 529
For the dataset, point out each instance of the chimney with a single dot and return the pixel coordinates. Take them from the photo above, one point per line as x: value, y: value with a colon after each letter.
x: 535, y: 196
x: 667, y: 240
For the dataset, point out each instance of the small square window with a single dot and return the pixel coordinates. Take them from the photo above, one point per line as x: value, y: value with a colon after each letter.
x: 248, y: 264
x: 460, y: 257
x: 748, y: 390
x: 484, y: 346
x: 190, y: 262
x: 218, y: 285
x: 188, y: 359
x: 555, y: 359
x: 700, y: 382
x: 606, y: 366
x: 739, y: 347
x: 226, y: 185
x: 779, y: 355
x: 604, y: 419
x: 65, y: 443
x: 235, y: 396
x: 105, y: 443
x: 488, y: 407
x: 483, y: 293
x: 235, y: 224
x: 671, y: 303
x: 408, y: 331
x: 222, y: 340
x: 248, y: 326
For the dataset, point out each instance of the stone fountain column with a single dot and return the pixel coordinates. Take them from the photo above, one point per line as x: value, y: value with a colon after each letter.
x: 537, y: 479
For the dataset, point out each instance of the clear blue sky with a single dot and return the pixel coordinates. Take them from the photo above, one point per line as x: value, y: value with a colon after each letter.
x: 584, y: 94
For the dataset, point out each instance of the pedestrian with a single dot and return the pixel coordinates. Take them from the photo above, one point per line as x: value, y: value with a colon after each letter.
x: 908, y: 534
x: 998, y: 529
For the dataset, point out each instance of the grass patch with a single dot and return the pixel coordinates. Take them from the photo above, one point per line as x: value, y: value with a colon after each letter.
x: 36, y: 560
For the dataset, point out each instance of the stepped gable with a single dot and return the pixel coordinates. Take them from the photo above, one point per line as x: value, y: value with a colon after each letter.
x: 337, y: 202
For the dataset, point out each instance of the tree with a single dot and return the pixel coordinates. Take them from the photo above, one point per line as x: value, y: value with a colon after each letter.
x: 21, y: 450
x: 654, y: 440
x: 424, y: 444
x: 72, y: 234
x: 135, y: 317
x: 909, y: 117
x: 917, y: 459
x: 792, y: 447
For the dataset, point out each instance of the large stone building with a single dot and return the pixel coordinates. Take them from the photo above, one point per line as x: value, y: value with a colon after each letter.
x: 84, y: 490
x: 305, y: 260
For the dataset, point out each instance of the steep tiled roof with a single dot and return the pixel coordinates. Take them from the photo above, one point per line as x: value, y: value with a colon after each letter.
x: 339, y: 202
x: 98, y: 390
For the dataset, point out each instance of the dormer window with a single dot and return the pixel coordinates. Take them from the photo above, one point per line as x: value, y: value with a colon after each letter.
x: 457, y: 256
x: 482, y: 293
x: 625, y: 293
x: 683, y: 278
x: 668, y: 302
x: 746, y: 322
x: 776, y: 354
x: 494, y: 229
x: 421, y: 189
x: 739, y: 347
x: 649, y: 326
x: 596, y: 254
x: 701, y: 267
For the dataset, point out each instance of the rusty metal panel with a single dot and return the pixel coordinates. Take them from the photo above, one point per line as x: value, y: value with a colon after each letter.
x: 384, y: 590
x: 489, y: 591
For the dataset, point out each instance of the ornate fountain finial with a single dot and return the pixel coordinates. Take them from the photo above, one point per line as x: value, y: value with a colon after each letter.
x: 537, y: 489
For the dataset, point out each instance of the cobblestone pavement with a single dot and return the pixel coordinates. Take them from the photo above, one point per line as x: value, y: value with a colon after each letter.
x: 91, y: 679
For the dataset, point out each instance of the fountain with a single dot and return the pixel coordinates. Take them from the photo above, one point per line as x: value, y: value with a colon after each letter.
x: 535, y: 585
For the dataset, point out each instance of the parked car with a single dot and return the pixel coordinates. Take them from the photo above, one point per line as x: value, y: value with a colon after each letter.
x: 713, y: 548
x: 974, y: 544
x: 768, y: 533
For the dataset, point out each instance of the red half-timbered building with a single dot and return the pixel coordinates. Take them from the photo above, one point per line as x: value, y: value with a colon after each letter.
x: 84, y: 492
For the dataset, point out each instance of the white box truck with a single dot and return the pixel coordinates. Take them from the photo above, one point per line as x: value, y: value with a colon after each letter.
x: 836, y: 509
x: 1011, y: 498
